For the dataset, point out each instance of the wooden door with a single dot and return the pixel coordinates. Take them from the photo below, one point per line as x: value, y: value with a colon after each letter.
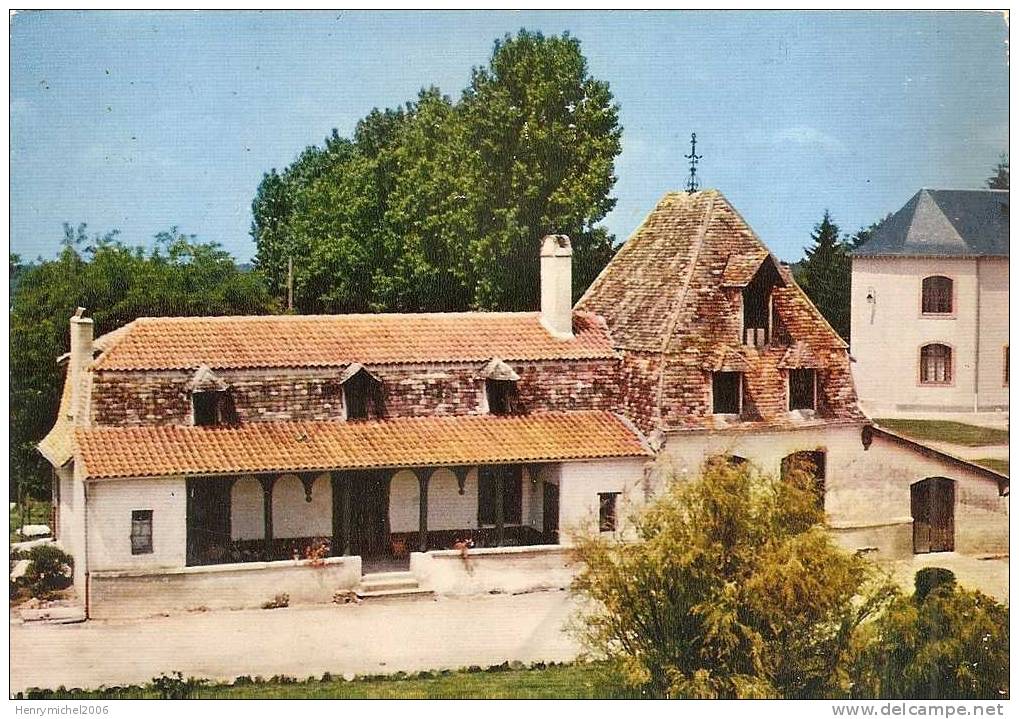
x: 932, y: 504
x: 208, y: 520
x: 550, y: 513
x: 369, y: 513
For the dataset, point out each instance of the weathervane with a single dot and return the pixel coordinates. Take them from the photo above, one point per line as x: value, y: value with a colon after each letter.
x: 692, y: 184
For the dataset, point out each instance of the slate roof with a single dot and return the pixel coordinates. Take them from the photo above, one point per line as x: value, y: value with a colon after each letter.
x: 174, y: 343
x: 954, y: 223
x: 158, y: 451
x: 673, y: 290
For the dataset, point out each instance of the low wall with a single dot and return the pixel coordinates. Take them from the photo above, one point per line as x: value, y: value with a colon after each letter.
x: 495, y: 569
x: 223, y: 586
x: 893, y: 539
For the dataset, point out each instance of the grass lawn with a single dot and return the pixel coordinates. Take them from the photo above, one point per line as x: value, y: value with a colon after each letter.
x: 562, y: 681
x: 998, y: 465
x: 937, y: 430
x: 37, y: 513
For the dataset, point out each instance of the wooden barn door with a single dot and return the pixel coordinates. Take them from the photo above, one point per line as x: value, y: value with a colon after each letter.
x: 932, y: 503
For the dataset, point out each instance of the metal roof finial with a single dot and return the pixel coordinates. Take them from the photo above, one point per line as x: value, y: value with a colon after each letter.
x: 692, y: 184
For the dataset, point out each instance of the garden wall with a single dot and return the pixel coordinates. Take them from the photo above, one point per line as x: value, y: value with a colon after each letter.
x: 222, y: 586
x: 495, y: 569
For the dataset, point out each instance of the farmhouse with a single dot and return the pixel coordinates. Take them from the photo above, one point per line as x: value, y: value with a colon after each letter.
x: 210, y: 461
x: 935, y: 277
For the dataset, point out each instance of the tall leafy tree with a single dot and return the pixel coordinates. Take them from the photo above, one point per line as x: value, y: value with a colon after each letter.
x: 824, y: 274
x: 999, y: 180
x: 116, y: 283
x: 440, y: 204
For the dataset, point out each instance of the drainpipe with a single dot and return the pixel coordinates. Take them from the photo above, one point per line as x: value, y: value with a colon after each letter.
x: 84, y: 553
x: 976, y: 361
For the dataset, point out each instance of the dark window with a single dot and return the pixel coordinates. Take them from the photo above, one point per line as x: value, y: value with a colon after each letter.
x: 936, y: 364
x: 607, y: 511
x: 141, y: 531
x: 206, y: 406
x: 811, y: 463
x: 362, y: 396
x: 502, y: 396
x: 488, y: 492
x: 757, y: 309
x: 936, y: 296
x: 802, y: 388
x: 725, y: 392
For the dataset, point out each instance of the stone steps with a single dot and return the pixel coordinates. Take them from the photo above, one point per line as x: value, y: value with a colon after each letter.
x: 390, y: 585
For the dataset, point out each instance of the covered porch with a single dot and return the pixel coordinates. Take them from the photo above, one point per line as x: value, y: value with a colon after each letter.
x: 381, y: 515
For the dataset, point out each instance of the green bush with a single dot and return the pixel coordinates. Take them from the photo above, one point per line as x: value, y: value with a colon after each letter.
x: 175, y: 686
x: 51, y: 570
x: 950, y: 644
x: 930, y: 578
x: 732, y: 589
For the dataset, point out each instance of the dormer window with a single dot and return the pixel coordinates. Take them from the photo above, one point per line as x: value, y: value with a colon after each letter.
x: 802, y: 389
x: 362, y: 394
x: 755, y: 274
x: 501, y: 388
x: 208, y: 398
x: 727, y: 393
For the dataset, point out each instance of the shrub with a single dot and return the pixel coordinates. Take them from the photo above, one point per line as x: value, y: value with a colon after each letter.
x: 949, y: 644
x: 175, y: 686
x: 930, y: 578
x: 732, y: 588
x: 50, y: 571
x: 280, y: 601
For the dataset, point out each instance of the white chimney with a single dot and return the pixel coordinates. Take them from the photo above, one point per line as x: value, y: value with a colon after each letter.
x: 557, y: 285
x: 78, y: 362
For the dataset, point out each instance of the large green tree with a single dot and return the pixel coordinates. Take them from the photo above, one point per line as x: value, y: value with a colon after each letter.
x: 116, y: 283
x: 440, y: 204
x: 825, y: 274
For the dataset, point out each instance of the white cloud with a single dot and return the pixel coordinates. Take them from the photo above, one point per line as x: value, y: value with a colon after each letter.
x: 807, y: 136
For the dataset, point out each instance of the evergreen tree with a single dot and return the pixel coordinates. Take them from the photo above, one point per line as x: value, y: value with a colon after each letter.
x: 825, y: 274
x: 999, y: 180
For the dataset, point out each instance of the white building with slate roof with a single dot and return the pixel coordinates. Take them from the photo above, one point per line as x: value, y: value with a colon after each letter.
x: 930, y: 306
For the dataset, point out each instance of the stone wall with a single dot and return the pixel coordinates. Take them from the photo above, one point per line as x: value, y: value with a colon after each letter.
x: 494, y: 570
x: 160, y: 398
x: 116, y: 595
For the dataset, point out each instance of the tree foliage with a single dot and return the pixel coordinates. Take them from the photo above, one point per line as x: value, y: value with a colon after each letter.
x: 949, y: 643
x: 825, y: 274
x: 999, y: 180
x: 440, y: 204
x: 116, y: 283
x: 732, y: 588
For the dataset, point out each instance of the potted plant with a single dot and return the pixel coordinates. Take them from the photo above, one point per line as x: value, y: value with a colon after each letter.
x: 398, y: 544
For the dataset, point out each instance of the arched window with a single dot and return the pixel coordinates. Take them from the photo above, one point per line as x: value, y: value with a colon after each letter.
x: 936, y: 295
x: 935, y: 364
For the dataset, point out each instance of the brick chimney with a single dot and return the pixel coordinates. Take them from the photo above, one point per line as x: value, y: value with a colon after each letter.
x: 78, y: 362
x: 557, y: 285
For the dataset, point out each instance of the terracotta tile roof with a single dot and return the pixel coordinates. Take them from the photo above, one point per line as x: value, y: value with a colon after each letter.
x: 111, y: 452
x: 673, y: 290
x: 740, y: 269
x: 164, y: 343
x: 799, y: 356
x: 58, y: 444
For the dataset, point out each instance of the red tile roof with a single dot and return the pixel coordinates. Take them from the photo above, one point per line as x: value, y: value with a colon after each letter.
x: 165, y: 343
x: 112, y: 452
x: 673, y: 291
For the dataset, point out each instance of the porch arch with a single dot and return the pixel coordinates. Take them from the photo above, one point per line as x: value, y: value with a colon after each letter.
x: 247, y: 516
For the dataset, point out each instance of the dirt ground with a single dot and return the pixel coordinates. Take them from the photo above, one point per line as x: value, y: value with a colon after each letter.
x: 370, y: 638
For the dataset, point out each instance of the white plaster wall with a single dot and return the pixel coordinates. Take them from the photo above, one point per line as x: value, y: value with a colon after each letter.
x: 867, y: 492
x: 581, y: 482
x: 247, y: 513
x: 224, y: 586
x: 294, y: 516
x: 494, y: 569
x: 993, y: 331
x: 887, y: 335
x: 110, y: 503
x: 404, y: 507
x: 447, y: 508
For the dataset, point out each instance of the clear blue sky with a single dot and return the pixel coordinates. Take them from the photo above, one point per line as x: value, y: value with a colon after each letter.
x: 138, y: 121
